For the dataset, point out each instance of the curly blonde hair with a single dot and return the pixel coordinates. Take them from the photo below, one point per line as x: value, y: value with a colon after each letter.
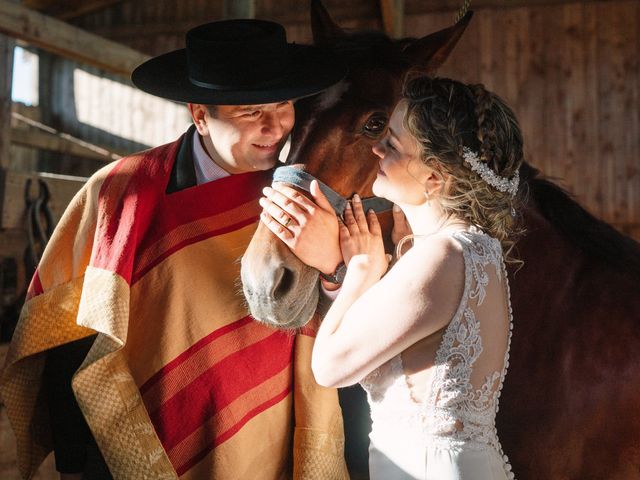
x: 444, y: 116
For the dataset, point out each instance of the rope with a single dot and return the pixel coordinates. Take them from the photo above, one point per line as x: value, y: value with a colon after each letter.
x: 463, y: 10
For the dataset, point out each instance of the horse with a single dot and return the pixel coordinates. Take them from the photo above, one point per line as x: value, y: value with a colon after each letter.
x: 570, y: 405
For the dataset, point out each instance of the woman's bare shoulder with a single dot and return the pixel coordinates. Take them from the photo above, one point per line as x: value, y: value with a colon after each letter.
x: 434, y: 263
x: 434, y: 250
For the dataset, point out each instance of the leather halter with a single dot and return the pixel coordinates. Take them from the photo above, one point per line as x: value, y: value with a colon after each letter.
x: 301, y: 179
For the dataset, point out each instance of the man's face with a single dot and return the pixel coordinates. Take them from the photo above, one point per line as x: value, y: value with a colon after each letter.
x: 244, y: 138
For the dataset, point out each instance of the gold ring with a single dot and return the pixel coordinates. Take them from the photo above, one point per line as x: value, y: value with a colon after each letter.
x: 287, y: 222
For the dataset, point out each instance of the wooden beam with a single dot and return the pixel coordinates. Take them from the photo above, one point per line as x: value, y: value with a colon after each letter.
x: 47, y: 138
x: 295, y: 15
x: 53, y: 143
x: 392, y: 17
x: 414, y: 7
x: 153, y: 29
x: 69, y: 9
x: 6, y: 75
x: 66, y: 40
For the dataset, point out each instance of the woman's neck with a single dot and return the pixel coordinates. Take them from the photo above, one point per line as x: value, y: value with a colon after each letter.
x: 428, y: 218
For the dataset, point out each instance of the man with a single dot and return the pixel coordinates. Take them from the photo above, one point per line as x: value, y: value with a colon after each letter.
x: 137, y: 292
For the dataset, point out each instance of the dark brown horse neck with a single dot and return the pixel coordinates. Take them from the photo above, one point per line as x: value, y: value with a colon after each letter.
x: 576, y: 324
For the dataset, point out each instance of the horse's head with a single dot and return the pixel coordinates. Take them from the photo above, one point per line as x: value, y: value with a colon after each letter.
x: 332, y: 140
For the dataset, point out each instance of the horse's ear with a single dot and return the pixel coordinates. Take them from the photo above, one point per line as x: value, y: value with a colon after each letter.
x: 430, y: 52
x: 323, y: 27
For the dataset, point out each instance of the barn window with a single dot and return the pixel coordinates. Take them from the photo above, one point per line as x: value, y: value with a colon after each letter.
x: 24, y: 88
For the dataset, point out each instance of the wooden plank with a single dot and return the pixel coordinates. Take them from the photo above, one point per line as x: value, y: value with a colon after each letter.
x: 497, y: 78
x: 553, y: 101
x: 293, y: 15
x: 593, y: 168
x: 60, y: 144
x: 153, y: 29
x: 6, y: 74
x: 618, y: 136
x: 532, y: 71
x: 420, y: 6
x: 631, y: 50
x: 66, y: 40
x: 81, y: 7
x: 62, y: 188
x: 581, y: 121
x: 635, y: 167
x: 46, y: 138
x: 487, y: 51
x: 68, y: 9
x: 392, y: 17
x: 527, y: 80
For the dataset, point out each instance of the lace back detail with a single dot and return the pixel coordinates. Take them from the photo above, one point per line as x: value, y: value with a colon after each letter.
x: 459, y: 411
x: 461, y: 406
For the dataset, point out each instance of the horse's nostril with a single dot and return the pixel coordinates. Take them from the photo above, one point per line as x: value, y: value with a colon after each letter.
x: 285, y: 283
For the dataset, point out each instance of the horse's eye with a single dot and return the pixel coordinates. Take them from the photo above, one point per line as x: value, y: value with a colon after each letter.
x: 375, y: 126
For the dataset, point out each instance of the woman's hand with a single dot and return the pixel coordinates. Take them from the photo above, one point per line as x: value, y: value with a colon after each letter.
x: 401, y: 227
x: 361, y: 240
x: 308, y: 227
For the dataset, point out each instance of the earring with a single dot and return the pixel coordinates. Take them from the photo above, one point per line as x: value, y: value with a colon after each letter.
x: 426, y: 195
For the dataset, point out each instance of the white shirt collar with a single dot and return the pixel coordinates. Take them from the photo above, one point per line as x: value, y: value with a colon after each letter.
x: 206, y: 169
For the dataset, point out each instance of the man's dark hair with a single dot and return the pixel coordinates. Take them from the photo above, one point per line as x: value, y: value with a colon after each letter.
x: 213, y: 110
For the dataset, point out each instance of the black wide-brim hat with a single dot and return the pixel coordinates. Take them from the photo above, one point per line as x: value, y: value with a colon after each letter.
x: 238, y: 62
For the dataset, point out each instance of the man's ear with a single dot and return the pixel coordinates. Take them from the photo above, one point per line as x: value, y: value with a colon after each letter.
x: 198, y: 115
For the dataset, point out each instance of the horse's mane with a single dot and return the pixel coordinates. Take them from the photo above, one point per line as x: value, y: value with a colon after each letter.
x: 593, y: 236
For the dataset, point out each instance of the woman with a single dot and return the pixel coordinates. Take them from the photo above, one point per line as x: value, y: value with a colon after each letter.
x: 429, y: 341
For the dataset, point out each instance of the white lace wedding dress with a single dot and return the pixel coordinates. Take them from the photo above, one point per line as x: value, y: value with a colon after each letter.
x: 451, y: 435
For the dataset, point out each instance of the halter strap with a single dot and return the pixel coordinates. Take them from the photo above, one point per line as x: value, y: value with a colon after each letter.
x: 302, y: 179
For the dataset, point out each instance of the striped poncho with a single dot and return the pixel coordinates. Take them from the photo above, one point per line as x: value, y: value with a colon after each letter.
x: 180, y: 380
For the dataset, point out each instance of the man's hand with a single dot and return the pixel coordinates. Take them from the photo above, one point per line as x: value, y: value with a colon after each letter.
x: 308, y: 227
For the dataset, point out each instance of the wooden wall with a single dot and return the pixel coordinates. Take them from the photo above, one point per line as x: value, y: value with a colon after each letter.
x: 568, y: 69
x: 570, y: 72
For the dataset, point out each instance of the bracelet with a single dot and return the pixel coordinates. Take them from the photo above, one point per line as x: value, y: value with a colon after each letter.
x: 337, y: 277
